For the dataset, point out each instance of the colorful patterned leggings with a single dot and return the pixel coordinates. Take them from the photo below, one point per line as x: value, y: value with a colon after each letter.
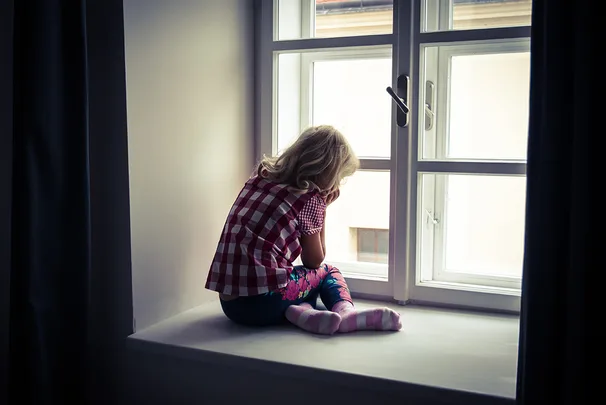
x: 304, y: 285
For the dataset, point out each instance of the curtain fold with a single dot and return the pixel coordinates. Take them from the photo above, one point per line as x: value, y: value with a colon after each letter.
x: 6, y: 162
x: 50, y: 278
x: 552, y: 366
x: 70, y: 289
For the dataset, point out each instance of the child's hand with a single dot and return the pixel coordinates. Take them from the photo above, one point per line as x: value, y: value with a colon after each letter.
x: 331, y: 197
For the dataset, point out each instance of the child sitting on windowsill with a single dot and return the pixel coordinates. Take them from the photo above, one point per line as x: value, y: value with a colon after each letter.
x: 278, y: 216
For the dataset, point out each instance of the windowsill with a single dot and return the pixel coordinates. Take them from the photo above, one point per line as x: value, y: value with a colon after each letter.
x: 439, y: 349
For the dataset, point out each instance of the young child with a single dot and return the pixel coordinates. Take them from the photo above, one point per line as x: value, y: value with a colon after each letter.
x: 278, y: 216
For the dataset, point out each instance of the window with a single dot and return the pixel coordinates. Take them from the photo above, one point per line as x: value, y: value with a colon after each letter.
x: 344, y: 87
x: 436, y: 213
x: 472, y: 224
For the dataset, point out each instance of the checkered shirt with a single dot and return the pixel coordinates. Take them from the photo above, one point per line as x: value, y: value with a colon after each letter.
x: 260, y: 239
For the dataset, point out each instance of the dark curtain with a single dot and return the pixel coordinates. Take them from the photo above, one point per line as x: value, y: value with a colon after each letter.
x: 6, y: 158
x: 69, y: 289
x: 50, y: 284
x: 552, y: 366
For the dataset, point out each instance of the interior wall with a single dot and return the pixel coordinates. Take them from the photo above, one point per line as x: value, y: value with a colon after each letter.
x: 189, y: 81
x: 6, y: 151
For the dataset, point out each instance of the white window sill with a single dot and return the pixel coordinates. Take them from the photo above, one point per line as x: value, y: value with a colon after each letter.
x: 471, y: 353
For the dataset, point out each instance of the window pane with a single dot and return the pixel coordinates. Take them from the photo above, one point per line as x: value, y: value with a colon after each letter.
x: 443, y: 15
x: 289, y: 123
x: 373, y: 245
x: 366, y: 241
x: 298, y: 19
x: 344, y: 88
x: 353, y: 222
x: 350, y: 95
x: 480, y: 224
x: 382, y: 242
x: 489, y: 106
x: 480, y: 106
x: 484, y: 224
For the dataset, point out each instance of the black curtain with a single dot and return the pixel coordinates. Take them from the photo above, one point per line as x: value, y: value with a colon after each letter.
x: 70, y: 294
x: 50, y: 283
x: 6, y: 158
x: 553, y: 363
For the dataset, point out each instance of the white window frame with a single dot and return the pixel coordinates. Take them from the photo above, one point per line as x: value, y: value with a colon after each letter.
x: 437, y: 15
x: 422, y: 287
x: 405, y: 283
x: 442, y: 60
x: 364, y: 282
x: 363, y: 275
x: 444, y: 63
x: 352, y: 269
x: 306, y: 15
x: 307, y: 61
x: 439, y: 273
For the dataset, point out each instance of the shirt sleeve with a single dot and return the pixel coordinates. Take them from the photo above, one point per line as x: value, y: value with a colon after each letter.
x: 311, y: 217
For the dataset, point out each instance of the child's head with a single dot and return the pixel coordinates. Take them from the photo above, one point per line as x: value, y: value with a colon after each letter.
x: 319, y: 159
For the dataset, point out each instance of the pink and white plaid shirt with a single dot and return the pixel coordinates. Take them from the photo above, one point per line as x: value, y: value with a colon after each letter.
x: 260, y: 239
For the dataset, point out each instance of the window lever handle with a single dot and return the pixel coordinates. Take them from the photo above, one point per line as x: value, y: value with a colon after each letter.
x: 399, y: 101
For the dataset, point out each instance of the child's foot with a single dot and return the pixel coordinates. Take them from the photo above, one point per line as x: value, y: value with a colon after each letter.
x: 367, y: 319
x: 312, y: 320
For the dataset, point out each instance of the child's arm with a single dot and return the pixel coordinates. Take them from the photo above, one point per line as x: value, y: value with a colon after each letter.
x: 329, y: 199
x: 313, y: 247
x: 312, y: 250
x: 322, y: 237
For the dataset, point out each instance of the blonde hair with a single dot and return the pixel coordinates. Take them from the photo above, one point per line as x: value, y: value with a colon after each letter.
x: 319, y: 159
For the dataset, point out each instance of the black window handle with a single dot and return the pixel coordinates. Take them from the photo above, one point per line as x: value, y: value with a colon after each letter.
x: 403, y: 110
x: 400, y: 102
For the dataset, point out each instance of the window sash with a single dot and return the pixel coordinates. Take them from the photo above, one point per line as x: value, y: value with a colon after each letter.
x: 416, y: 287
x: 404, y: 284
x: 439, y: 272
x: 307, y: 61
x: 442, y: 62
x: 438, y: 65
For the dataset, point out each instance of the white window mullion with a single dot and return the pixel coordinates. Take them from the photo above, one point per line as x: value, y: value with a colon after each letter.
x: 404, y: 153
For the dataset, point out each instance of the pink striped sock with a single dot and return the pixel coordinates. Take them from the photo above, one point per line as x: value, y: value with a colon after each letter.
x: 311, y: 320
x: 368, y: 319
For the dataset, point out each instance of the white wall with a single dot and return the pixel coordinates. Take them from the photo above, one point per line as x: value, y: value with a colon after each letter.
x: 189, y: 74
